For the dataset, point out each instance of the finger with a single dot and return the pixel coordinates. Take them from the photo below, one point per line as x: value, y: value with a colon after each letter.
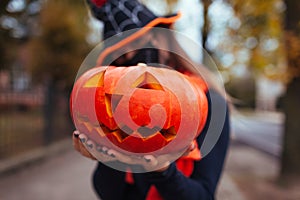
x: 151, y: 160
x: 76, y: 140
x: 98, y: 152
x: 150, y: 163
x: 192, y: 146
x: 160, y: 163
x: 119, y: 156
x: 189, y: 149
x: 83, y: 138
x: 89, y: 145
x: 83, y: 147
x: 163, y: 167
x: 76, y: 133
x: 128, y: 159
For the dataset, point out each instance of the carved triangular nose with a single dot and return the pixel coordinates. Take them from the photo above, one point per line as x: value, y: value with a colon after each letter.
x: 147, y: 81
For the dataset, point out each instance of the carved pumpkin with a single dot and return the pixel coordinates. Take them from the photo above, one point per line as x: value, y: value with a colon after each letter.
x: 139, y: 109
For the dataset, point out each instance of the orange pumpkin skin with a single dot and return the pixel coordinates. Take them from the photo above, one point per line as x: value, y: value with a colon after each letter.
x: 139, y: 109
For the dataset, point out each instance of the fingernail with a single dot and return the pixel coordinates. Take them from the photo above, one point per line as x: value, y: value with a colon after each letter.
x: 90, y: 145
x: 76, y: 134
x: 82, y: 139
x: 193, y: 146
x: 112, y: 155
x: 147, y: 159
x: 99, y: 149
x: 104, y: 149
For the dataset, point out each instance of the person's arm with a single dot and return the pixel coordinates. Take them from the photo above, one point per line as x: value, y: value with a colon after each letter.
x: 109, y: 184
x: 172, y: 184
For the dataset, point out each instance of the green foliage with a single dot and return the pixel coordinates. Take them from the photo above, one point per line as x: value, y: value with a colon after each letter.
x: 60, y: 46
x: 7, y: 42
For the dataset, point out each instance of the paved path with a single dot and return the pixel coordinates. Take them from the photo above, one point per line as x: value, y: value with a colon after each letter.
x: 262, y: 130
x: 249, y: 174
x: 61, y: 177
x: 67, y: 177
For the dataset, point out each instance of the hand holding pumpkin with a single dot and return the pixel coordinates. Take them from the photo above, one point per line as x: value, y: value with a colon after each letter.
x: 89, y: 149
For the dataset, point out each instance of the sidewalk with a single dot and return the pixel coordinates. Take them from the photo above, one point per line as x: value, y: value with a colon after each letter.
x: 67, y: 176
x: 61, y: 176
x: 256, y: 175
x: 249, y: 174
x: 265, y: 116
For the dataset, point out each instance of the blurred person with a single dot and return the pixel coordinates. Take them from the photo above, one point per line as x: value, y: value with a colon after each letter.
x: 192, y: 176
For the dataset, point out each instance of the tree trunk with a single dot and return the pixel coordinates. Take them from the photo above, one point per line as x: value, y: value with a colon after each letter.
x: 49, y: 108
x: 3, y: 4
x: 291, y: 151
x: 205, y: 31
x: 290, y: 162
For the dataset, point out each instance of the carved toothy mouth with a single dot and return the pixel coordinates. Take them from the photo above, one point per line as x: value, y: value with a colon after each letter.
x: 122, y: 133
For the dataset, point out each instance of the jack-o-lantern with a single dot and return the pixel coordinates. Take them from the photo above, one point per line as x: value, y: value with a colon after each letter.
x: 139, y: 109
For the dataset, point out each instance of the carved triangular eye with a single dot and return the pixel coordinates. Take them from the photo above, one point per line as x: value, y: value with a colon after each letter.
x: 147, y: 81
x: 96, y: 81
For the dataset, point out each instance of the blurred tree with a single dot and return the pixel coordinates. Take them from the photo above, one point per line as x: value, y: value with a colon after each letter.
x: 3, y: 35
x: 290, y: 162
x: 171, y: 4
x: 60, y: 44
x: 205, y: 30
x: 58, y: 50
x: 16, y: 19
x: 254, y: 44
x: 258, y: 28
x: 260, y: 32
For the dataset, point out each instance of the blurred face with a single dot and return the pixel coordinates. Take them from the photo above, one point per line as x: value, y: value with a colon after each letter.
x: 143, y: 50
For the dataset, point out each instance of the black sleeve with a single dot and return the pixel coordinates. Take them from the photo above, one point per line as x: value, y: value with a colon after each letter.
x: 108, y: 183
x: 173, y: 185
